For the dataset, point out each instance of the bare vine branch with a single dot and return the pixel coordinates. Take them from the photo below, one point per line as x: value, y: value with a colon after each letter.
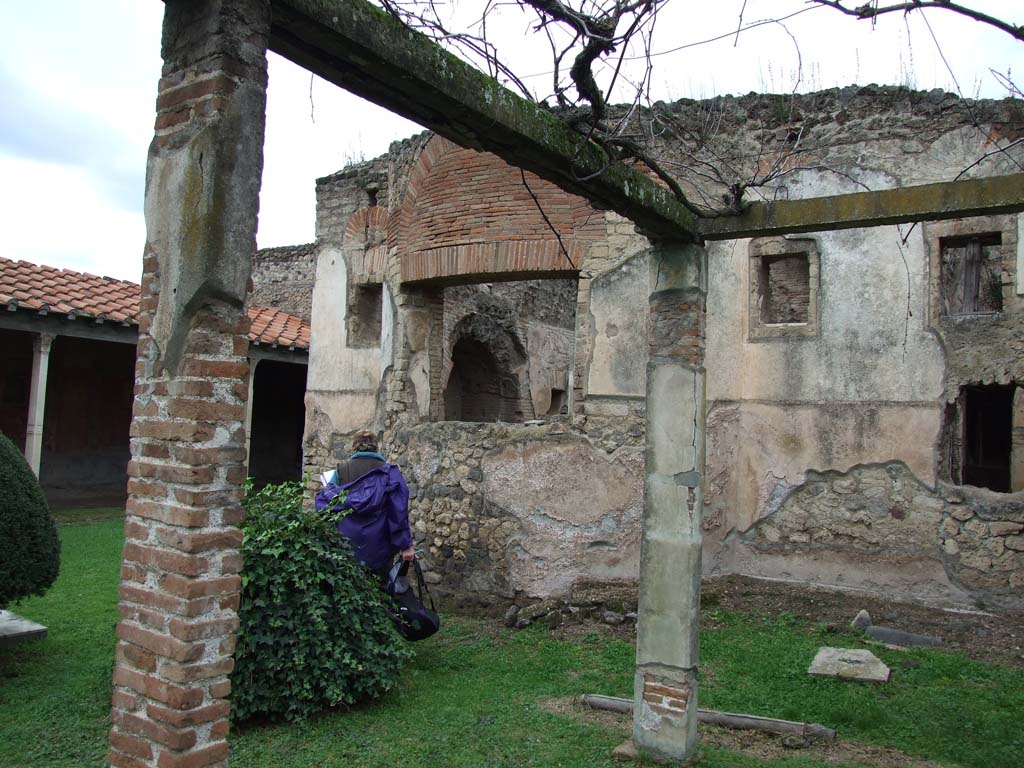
x: 872, y: 11
x: 709, y: 168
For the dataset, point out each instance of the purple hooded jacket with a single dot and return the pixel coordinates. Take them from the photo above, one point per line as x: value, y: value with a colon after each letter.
x: 378, y: 525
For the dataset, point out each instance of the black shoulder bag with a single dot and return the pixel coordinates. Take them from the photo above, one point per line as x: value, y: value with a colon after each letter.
x: 413, y: 619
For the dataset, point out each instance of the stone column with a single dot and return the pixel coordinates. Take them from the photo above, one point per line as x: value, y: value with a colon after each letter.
x: 665, y: 706
x: 248, y: 414
x: 37, y: 400
x: 179, y: 576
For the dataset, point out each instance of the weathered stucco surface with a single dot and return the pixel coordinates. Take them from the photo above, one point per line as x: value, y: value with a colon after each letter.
x: 283, y: 278
x: 864, y: 382
x: 573, y: 525
x: 758, y: 451
x: 342, y: 382
x: 619, y: 329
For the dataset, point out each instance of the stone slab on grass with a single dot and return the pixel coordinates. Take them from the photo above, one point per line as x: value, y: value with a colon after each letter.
x: 899, y: 637
x: 15, y: 629
x: 849, y: 664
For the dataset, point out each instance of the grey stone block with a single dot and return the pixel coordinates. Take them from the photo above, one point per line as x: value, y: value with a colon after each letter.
x: 849, y: 664
x: 899, y: 637
x: 15, y: 629
x: 861, y: 621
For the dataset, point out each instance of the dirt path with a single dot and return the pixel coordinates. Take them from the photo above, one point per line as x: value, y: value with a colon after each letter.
x: 768, y: 746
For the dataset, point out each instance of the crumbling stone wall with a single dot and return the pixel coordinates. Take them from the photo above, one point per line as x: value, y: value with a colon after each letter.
x: 878, y: 133
x: 946, y: 539
x: 283, y: 278
x: 859, y: 382
x: 507, y: 512
x: 341, y: 194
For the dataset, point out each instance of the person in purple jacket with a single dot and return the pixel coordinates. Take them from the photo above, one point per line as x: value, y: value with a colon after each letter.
x: 378, y: 497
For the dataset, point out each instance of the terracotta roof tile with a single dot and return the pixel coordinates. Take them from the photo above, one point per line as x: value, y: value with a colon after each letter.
x: 31, y: 286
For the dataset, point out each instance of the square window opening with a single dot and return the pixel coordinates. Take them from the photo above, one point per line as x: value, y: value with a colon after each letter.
x: 971, y: 274
x: 365, y: 315
x: 784, y: 284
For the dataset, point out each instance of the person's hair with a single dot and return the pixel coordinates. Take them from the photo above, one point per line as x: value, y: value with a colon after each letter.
x: 364, y: 441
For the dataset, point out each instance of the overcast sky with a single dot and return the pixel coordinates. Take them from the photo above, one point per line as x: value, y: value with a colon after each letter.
x: 78, y: 86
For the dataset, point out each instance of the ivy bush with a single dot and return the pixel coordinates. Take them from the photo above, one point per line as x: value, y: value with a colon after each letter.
x: 29, y: 547
x: 314, y: 632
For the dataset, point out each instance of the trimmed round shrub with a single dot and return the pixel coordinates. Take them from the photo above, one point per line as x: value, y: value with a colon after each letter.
x: 29, y: 547
x: 314, y: 631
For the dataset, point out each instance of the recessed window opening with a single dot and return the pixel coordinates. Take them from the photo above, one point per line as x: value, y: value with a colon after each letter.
x: 364, y: 315
x: 559, y: 403
x: 784, y: 283
x: 478, y: 390
x: 972, y: 274
x: 987, y: 425
x: 371, y: 197
x: 505, y: 351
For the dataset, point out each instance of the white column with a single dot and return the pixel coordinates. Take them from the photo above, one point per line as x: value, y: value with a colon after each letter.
x: 248, y: 414
x: 37, y: 400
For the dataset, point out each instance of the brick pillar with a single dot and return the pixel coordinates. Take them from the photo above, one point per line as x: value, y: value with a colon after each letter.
x: 179, y: 575
x: 665, y: 705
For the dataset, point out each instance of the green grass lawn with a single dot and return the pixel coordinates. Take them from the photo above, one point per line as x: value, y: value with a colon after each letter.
x: 55, y: 693
x: 478, y: 695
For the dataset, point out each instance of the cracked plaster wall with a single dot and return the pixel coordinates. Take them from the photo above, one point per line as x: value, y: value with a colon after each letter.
x: 855, y: 401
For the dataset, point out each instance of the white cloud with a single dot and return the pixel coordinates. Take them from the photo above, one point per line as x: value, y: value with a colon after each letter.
x: 53, y: 215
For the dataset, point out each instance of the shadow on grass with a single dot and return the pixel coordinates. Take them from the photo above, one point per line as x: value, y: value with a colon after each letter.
x: 85, y: 516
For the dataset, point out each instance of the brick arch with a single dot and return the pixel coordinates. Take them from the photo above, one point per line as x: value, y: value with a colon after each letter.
x: 366, y: 227
x: 467, y: 217
x: 364, y: 241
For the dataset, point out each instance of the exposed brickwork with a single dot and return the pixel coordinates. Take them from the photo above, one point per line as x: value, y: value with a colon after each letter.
x: 468, y: 213
x: 783, y: 288
x: 786, y: 289
x: 179, y: 575
x: 489, y: 259
x: 363, y: 241
x: 341, y: 194
x: 666, y: 697
x: 677, y: 325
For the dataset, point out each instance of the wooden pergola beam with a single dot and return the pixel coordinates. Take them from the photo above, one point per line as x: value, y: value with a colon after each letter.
x: 927, y: 202
x: 358, y: 47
